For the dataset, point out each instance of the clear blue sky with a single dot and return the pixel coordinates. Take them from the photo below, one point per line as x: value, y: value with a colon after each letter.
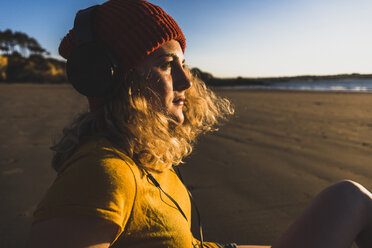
x: 232, y: 38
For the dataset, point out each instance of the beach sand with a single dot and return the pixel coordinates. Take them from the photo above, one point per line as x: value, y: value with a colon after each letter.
x: 250, y: 179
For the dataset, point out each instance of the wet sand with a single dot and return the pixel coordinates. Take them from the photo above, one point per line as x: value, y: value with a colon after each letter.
x: 250, y: 180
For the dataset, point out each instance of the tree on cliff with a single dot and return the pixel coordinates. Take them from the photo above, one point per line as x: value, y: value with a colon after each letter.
x: 22, y: 60
x: 11, y: 42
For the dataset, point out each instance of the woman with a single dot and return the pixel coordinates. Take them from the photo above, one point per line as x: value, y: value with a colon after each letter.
x: 110, y: 159
x: 116, y: 184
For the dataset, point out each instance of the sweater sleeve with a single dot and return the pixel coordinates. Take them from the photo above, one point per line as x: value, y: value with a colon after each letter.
x: 95, y: 184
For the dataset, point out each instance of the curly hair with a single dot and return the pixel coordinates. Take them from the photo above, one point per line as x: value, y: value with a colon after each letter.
x: 151, y: 138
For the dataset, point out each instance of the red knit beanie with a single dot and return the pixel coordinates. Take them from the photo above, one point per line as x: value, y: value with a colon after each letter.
x: 131, y: 29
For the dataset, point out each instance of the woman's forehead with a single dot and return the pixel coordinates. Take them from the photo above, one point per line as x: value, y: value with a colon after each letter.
x: 171, y: 48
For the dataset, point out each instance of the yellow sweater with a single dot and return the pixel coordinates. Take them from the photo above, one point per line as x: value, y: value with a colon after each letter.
x: 100, y: 181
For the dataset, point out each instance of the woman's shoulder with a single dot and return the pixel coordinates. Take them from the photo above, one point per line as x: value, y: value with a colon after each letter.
x: 98, y: 162
x: 95, y: 181
x: 98, y: 153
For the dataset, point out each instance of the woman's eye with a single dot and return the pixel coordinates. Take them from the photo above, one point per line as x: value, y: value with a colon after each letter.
x: 166, y: 65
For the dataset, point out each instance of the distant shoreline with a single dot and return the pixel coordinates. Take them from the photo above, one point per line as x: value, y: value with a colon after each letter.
x: 240, y: 81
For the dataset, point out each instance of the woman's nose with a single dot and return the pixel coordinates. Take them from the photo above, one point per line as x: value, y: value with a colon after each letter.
x: 181, y: 80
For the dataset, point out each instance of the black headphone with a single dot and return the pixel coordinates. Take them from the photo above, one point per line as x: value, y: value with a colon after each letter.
x: 91, y: 67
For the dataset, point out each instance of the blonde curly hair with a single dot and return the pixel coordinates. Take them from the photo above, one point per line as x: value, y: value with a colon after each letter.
x: 151, y: 138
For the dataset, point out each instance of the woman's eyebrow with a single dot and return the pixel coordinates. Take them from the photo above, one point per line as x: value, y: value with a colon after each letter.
x: 173, y: 55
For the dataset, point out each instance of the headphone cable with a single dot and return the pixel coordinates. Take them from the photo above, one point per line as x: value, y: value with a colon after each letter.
x: 157, y: 184
x: 178, y: 172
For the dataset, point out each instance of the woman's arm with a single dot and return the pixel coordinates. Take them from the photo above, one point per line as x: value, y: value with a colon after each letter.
x: 73, y: 232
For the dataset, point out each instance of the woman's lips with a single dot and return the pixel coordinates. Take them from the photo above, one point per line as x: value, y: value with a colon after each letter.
x: 179, y: 101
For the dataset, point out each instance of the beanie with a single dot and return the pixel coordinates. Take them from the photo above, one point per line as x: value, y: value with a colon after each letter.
x: 131, y: 29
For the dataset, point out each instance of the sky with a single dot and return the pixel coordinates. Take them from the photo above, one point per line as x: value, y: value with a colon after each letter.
x: 230, y: 38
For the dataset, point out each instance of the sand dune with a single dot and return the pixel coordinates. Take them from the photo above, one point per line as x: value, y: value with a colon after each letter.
x: 250, y: 179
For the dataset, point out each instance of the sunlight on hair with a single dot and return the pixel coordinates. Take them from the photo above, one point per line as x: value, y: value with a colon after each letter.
x: 151, y: 138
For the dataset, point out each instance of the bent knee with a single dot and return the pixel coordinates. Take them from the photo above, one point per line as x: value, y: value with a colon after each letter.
x: 350, y: 191
x: 352, y: 186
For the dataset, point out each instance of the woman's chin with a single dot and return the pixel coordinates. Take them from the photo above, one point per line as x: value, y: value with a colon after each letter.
x: 178, y: 118
x: 177, y: 115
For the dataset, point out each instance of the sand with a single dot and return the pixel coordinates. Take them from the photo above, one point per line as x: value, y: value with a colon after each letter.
x: 250, y: 180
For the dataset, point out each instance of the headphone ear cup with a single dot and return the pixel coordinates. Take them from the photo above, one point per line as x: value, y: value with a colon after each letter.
x: 91, y: 71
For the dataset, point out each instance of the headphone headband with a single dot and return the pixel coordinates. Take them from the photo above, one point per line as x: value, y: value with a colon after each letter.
x: 91, y: 67
x: 83, y: 30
